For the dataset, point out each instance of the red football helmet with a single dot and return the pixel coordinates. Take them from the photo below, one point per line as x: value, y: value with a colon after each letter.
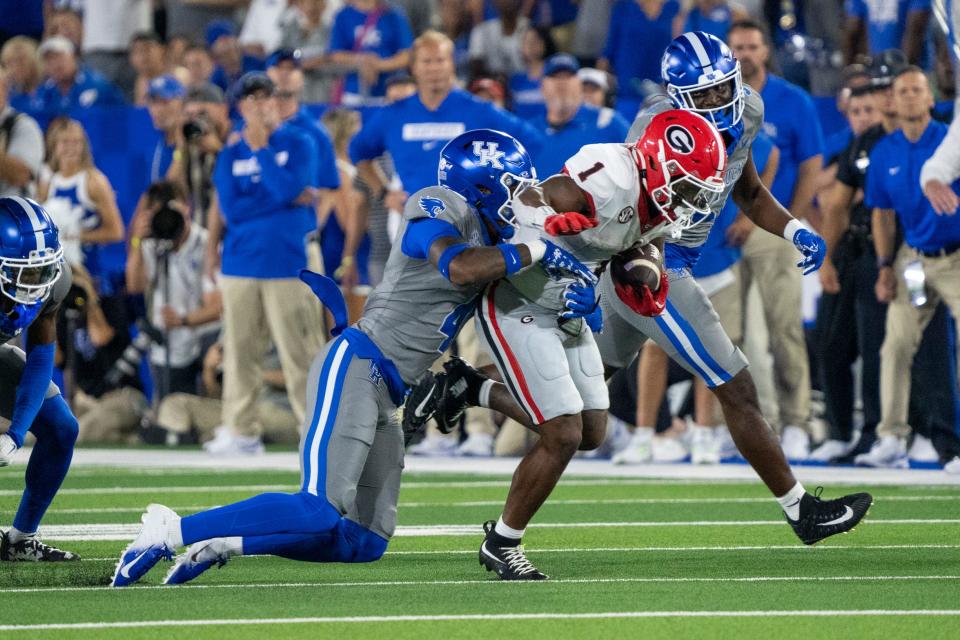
x: 682, y: 160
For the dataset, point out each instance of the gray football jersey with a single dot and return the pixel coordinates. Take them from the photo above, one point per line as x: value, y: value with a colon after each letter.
x: 60, y: 290
x: 414, y: 313
x: 752, y: 121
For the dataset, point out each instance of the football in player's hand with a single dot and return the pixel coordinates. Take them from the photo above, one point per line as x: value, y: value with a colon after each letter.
x: 638, y: 265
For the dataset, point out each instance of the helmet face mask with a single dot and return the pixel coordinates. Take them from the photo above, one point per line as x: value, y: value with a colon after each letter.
x: 694, y: 66
x: 31, y: 280
x: 682, y: 161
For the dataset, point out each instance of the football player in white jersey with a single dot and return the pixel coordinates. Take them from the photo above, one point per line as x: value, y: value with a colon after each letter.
x: 624, y: 195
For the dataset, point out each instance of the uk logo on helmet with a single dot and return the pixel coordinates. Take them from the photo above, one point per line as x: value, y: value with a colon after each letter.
x: 679, y: 139
x: 488, y: 153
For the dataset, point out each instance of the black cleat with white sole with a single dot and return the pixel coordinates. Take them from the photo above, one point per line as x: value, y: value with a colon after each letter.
x: 509, y: 563
x: 461, y: 387
x: 821, y: 519
x: 30, y: 549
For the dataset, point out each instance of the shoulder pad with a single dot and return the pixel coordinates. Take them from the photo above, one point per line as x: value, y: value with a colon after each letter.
x: 436, y: 202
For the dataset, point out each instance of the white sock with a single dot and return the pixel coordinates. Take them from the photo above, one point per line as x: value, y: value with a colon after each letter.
x: 508, y: 532
x: 15, y: 535
x: 174, y: 534
x: 233, y: 545
x: 790, y: 501
x: 484, y: 396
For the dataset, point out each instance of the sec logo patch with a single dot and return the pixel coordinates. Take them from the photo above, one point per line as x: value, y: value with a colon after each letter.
x: 625, y: 215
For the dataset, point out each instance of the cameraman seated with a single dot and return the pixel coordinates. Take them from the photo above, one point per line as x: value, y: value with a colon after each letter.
x: 181, y: 302
x: 92, y: 340
x: 186, y: 418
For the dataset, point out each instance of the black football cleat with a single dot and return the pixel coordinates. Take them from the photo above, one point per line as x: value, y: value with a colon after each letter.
x: 509, y: 563
x: 461, y: 387
x: 421, y: 404
x: 30, y: 549
x: 821, y: 519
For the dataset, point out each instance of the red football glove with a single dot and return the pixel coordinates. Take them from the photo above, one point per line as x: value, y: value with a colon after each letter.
x: 568, y: 224
x: 641, y: 299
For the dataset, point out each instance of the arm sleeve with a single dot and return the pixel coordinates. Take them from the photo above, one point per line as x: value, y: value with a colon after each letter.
x: 876, y: 196
x: 422, y: 233
x: 288, y: 181
x: 34, y: 382
x: 944, y: 165
x: 369, y: 143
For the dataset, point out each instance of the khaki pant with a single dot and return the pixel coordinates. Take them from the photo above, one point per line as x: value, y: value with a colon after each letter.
x: 256, y: 311
x: 905, y: 326
x: 181, y: 412
x: 771, y: 264
x: 479, y: 420
x: 113, y: 418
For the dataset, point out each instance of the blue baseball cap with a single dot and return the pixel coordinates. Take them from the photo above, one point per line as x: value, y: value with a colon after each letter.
x: 560, y: 63
x: 285, y: 55
x: 219, y: 28
x: 165, y: 88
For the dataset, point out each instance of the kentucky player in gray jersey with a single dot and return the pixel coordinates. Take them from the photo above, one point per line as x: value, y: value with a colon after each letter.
x: 33, y: 282
x: 352, y: 447
x: 702, y: 75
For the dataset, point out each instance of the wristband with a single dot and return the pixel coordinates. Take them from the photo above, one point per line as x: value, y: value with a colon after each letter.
x: 792, y: 227
x: 511, y: 255
x: 538, y: 249
x: 451, y: 252
x: 884, y: 262
x: 135, y: 242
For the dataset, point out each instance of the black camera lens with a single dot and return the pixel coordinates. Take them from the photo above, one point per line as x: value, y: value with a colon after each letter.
x: 167, y: 224
x: 193, y: 129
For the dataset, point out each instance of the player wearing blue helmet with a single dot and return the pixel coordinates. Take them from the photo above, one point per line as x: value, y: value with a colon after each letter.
x: 352, y: 449
x: 33, y: 282
x: 701, y: 75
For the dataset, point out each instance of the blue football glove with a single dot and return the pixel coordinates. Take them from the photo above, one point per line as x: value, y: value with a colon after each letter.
x: 560, y: 263
x: 594, y: 319
x: 579, y: 300
x: 813, y: 248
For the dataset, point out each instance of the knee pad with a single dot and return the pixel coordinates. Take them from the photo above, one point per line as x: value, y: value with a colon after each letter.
x: 56, y: 422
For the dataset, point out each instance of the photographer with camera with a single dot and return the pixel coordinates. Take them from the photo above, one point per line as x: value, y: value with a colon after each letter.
x: 204, y: 127
x: 165, y: 263
x: 93, y: 341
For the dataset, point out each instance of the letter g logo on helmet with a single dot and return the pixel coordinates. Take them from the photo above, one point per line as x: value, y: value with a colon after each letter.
x: 679, y: 139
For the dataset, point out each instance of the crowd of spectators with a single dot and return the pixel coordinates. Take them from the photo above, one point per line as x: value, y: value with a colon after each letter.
x: 288, y: 133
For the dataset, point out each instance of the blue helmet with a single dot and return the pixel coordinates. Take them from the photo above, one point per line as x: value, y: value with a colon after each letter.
x: 486, y: 167
x: 31, y: 259
x: 696, y: 62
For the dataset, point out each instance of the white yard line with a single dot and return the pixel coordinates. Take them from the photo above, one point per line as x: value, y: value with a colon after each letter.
x: 805, y: 613
x: 494, y: 503
x: 423, y: 583
x: 774, y: 547
x: 289, y: 461
x: 128, y: 531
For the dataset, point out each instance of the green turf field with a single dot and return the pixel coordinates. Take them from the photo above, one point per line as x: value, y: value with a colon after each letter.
x: 627, y: 559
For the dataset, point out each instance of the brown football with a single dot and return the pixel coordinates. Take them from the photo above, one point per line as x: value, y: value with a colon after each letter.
x: 638, y: 265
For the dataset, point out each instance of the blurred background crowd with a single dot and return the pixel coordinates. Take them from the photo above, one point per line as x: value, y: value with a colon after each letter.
x: 196, y: 154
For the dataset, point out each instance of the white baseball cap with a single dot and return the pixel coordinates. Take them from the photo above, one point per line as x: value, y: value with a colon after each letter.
x: 57, y: 44
x: 594, y: 76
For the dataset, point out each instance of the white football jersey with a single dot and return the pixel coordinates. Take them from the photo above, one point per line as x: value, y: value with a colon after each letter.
x: 609, y: 176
